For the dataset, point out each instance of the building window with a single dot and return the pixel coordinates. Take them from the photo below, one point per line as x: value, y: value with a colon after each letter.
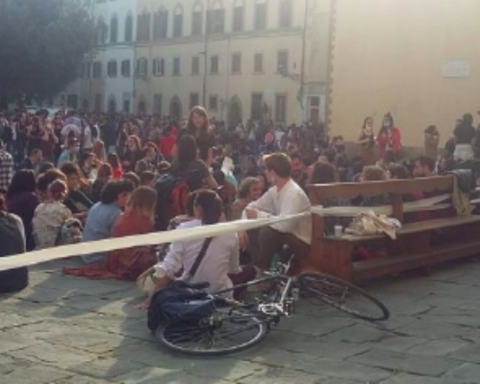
x: 213, y: 103
x: 282, y: 62
x: 142, y: 67
x: 72, y: 101
x: 157, y: 105
x: 126, y: 102
x: 176, y: 66
x: 158, y: 67
x: 197, y: 20
x: 281, y: 108
x: 257, y: 106
x: 112, y: 70
x: 260, y: 14
x: 236, y: 63
x: 114, y: 30
x: 314, y: 109
x: 160, y: 25
x: 195, y: 65
x: 129, y: 29
x: 214, y: 60
x: 285, y: 13
x: 194, y: 100
x: 97, y: 70
x: 178, y: 22
x: 112, y: 105
x: 216, y: 21
x: 258, y: 63
x: 143, y: 27
x: 126, y: 68
x: 98, y: 102
x: 102, y: 31
x: 238, y: 15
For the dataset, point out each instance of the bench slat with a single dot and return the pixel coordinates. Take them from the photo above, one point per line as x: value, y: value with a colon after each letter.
x: 422, y: 226
x: 375, y: 188
x: 365, y: 270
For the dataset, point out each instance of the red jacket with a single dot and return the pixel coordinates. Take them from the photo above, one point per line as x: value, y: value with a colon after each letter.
x: 394, y: 140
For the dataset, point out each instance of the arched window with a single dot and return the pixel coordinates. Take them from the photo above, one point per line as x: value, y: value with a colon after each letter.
x: 160, y: 24
x: 114, y: 29
x: 142, y: 67
x: 178, y: 22
x: 261, y: 11
x: 285, y: 13
x: 112, y: 104
x: 238, y: 15
x: 176, y: 108
x: 142, y: 106
x: 129, y: 28
x: 216, y: 18
x: 197, y: 19
x: 102, y: 31
x: 143, y: 26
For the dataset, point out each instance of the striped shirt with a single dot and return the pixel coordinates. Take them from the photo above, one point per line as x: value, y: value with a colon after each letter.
x: 6, y: 169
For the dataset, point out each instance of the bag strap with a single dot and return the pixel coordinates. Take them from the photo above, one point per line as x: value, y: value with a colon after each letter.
x: 200, y: 257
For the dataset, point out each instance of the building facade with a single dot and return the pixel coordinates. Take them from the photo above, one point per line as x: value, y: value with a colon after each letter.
x: 415, y: 59
x: 240, y: 58
x: 107, y: 76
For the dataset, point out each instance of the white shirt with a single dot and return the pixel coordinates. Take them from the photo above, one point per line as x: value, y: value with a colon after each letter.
x: 291, y: 199
x: 87, y: 138
x: 221, y: 259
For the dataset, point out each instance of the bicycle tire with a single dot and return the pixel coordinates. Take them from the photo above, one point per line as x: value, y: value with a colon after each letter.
x: 167, y: 332
x: 308, y: 279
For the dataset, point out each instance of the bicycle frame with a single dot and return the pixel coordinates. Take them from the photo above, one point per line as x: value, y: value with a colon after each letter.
x: 277, y: 307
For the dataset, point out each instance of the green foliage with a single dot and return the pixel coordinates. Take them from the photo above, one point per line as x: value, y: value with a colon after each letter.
x: 42, y: 43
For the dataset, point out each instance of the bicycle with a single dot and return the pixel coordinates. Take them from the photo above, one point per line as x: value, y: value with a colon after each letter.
x: 236, y: 326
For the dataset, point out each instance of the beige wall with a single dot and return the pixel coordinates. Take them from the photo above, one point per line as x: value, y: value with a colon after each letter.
x: 388, y: 56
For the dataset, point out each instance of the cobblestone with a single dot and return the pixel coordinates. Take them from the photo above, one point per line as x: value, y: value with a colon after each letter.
x: 64, y: 330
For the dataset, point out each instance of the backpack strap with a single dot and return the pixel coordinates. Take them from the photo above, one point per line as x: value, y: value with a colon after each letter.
x: 200, y: 257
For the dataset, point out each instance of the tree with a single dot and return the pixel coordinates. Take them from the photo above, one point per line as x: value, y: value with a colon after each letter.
x: 42, y: 43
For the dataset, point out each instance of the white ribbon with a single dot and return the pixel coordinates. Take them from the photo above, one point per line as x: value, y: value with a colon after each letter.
x: 63, y: 252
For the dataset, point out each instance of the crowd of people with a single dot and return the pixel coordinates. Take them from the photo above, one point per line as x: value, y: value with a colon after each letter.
x: 84, y: 177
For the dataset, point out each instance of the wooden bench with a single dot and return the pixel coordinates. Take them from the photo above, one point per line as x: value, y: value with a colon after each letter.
x: 417, y: 245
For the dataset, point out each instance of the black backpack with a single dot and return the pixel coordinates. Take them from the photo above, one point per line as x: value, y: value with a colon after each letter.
x: 172, y: 196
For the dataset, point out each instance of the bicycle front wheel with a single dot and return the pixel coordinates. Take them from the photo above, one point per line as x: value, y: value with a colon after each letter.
x: 227, y: 331
x: 319, y: 287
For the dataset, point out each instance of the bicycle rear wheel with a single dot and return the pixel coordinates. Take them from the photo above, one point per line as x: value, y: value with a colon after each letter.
x: 342, y: 295
x: 227, y: 331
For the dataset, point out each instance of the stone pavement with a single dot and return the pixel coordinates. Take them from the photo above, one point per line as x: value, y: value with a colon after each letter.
x: 67, y: 330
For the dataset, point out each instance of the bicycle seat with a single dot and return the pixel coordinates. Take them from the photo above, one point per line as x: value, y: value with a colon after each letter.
x: 200, y: 286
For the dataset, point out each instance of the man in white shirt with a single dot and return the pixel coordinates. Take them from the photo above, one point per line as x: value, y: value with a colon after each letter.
x: 285, y: 198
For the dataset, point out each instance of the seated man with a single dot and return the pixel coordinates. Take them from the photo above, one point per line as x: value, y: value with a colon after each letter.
x: 285, y: 198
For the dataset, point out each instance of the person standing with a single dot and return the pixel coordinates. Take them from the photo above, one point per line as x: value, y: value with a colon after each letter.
x: 366, y: 142
x: 6, y: 167
x: 389, y: 137
x: 199, y: 127
x: 432, y: 139
x: 464, y: 134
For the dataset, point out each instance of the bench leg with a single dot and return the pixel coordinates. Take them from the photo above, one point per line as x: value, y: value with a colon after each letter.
x: 334, y: 258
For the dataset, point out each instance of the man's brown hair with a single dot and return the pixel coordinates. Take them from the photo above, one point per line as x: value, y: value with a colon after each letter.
x: 278, y: 163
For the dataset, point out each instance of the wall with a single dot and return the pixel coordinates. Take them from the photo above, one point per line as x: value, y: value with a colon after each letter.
x: 388, y: 56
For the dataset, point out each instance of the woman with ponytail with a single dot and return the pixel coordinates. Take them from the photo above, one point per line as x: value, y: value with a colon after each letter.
x: 221, y: 254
